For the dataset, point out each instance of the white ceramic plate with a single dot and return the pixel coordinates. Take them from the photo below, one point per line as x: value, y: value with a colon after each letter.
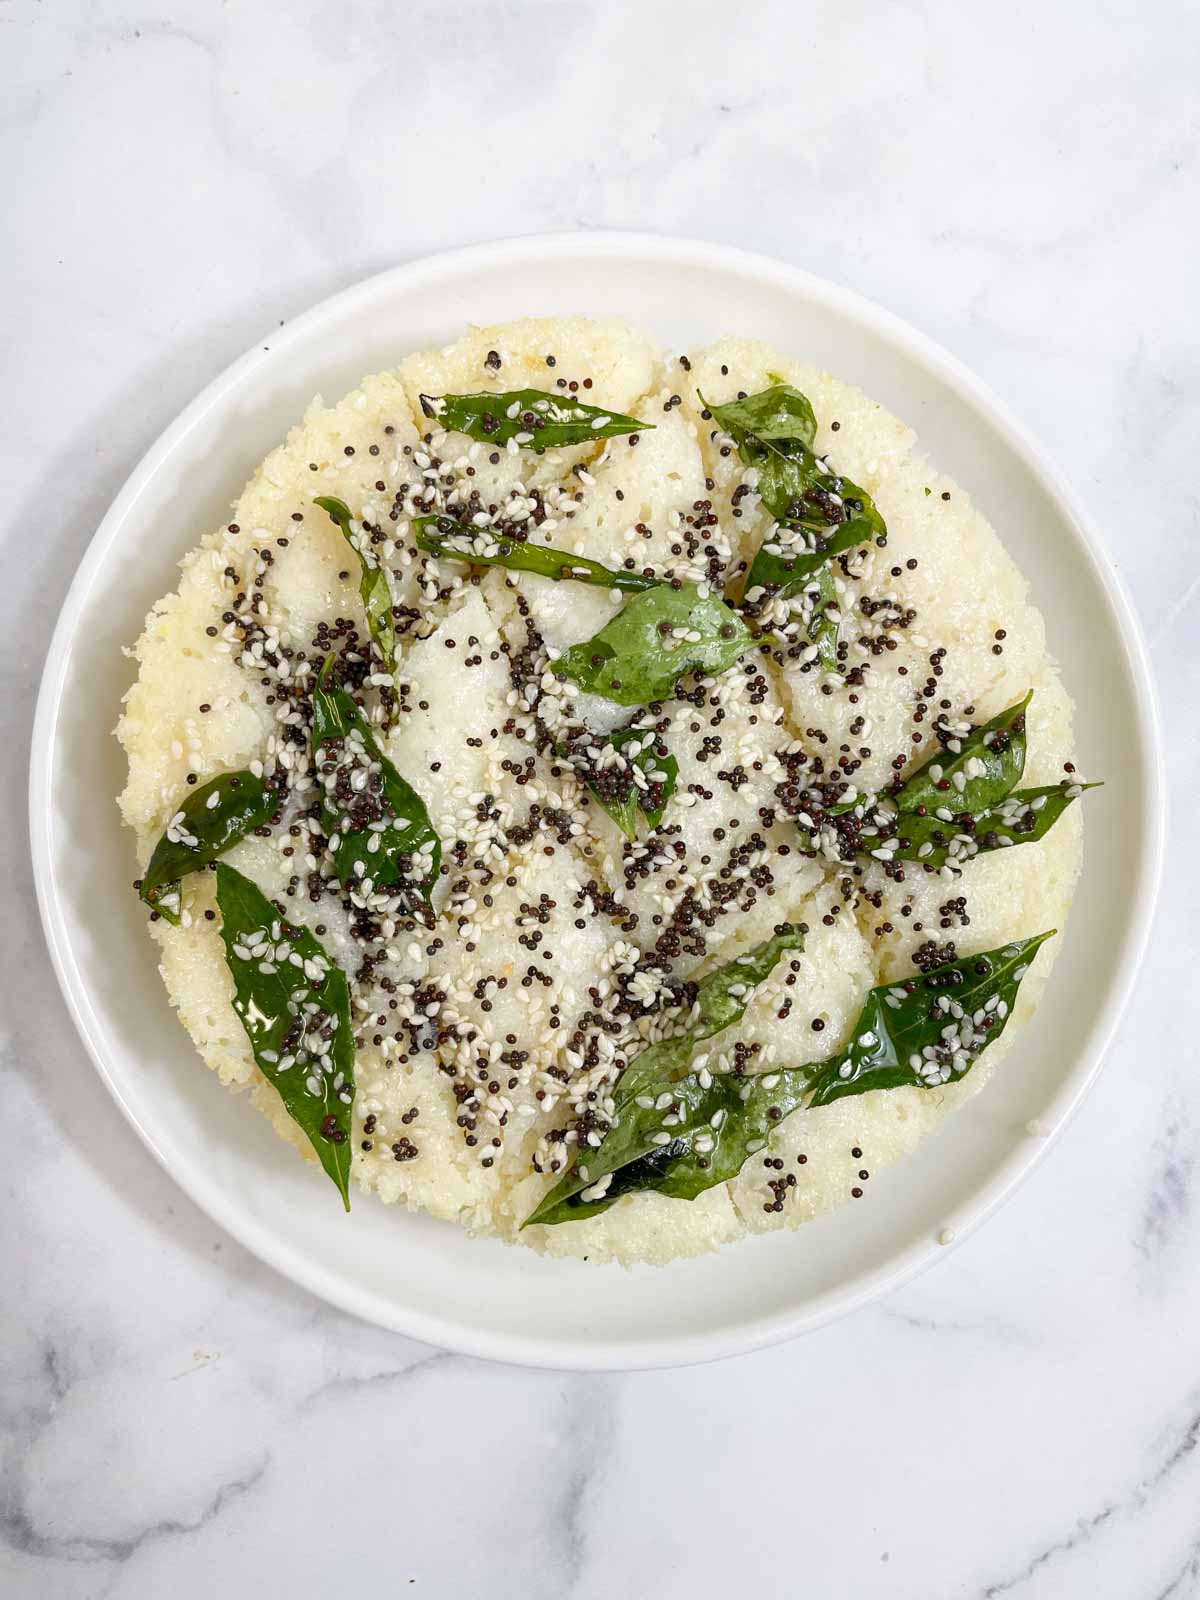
x: 425, y: 1278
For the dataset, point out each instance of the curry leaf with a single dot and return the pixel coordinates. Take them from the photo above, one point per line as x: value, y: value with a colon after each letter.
x: 653, y: 641
x: 774, y: 433
x: 373, y: 585
x: 822, y: 629
x: 681, y: 1136
x: 952, y: 837
x: 818, y: 615
x: 779, y: 417
x: 706, y: 1129
x: 716, y: 1002
x: 972, y: 772
x: 820, y: 513
x: 210, y: 821
x: 378, y: 826
x: 628, y: 771
x: 790, y: 556
x: 926, y: 1031
x: 538, y: 418
x: 294, y: 1004
x: 485, y: 547
x: 720, y: 1000
x: 816, y: 612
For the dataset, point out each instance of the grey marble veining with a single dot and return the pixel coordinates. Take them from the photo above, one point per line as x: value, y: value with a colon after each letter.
x: 1022, y: 183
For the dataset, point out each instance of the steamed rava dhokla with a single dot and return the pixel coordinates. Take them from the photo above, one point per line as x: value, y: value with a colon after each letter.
x: 620, y: 816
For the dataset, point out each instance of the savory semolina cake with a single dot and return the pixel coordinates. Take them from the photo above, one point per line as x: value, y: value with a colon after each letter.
x: 604, y: 799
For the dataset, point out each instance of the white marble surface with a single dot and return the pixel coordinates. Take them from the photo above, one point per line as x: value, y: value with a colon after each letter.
x: 1019, y: 181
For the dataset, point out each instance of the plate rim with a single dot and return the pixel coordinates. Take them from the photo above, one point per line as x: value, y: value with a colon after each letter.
x: 774, y: 1327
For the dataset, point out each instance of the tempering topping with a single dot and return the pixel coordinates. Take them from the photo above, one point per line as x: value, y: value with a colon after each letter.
x: 405, y: 882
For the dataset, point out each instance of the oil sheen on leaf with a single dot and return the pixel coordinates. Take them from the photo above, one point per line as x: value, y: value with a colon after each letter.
x: 719, y: 1000
x: 540, y: 419
x: 680, y: 1135
x: 483, y: 547
x: 210, y: 821
x: 294, y: 1004
x: 372, y: 586
x: 654, y: 640
x: 378, y: 826
x: 630, y: 772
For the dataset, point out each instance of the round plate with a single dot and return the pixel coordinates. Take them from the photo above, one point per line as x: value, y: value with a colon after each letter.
x: 428, y: 1279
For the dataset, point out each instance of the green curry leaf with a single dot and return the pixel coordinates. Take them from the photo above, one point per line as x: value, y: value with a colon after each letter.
x: 928, y: 1030
x: 629, y: 771
x: 373, y: 585
x: 986, y: 764
x: 821, y: 599
x: 294, y: 1004
x: 959, y: 804
x: 720, y: 1000
x: 950, y: 837
x: 717, y: 1001
x: 654, y: 640
x: 378, y: 826
x: 538, y: 418
x: 778, y: 420
x: 682, y: 1135
x: 485, y: 547
x: 210, y: 821
x: 703, y: 1133
x: 820, y: 514
x: 790, y: 556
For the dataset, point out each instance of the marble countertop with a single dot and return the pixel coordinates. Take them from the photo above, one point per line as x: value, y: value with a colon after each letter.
x: 1021, y: 183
